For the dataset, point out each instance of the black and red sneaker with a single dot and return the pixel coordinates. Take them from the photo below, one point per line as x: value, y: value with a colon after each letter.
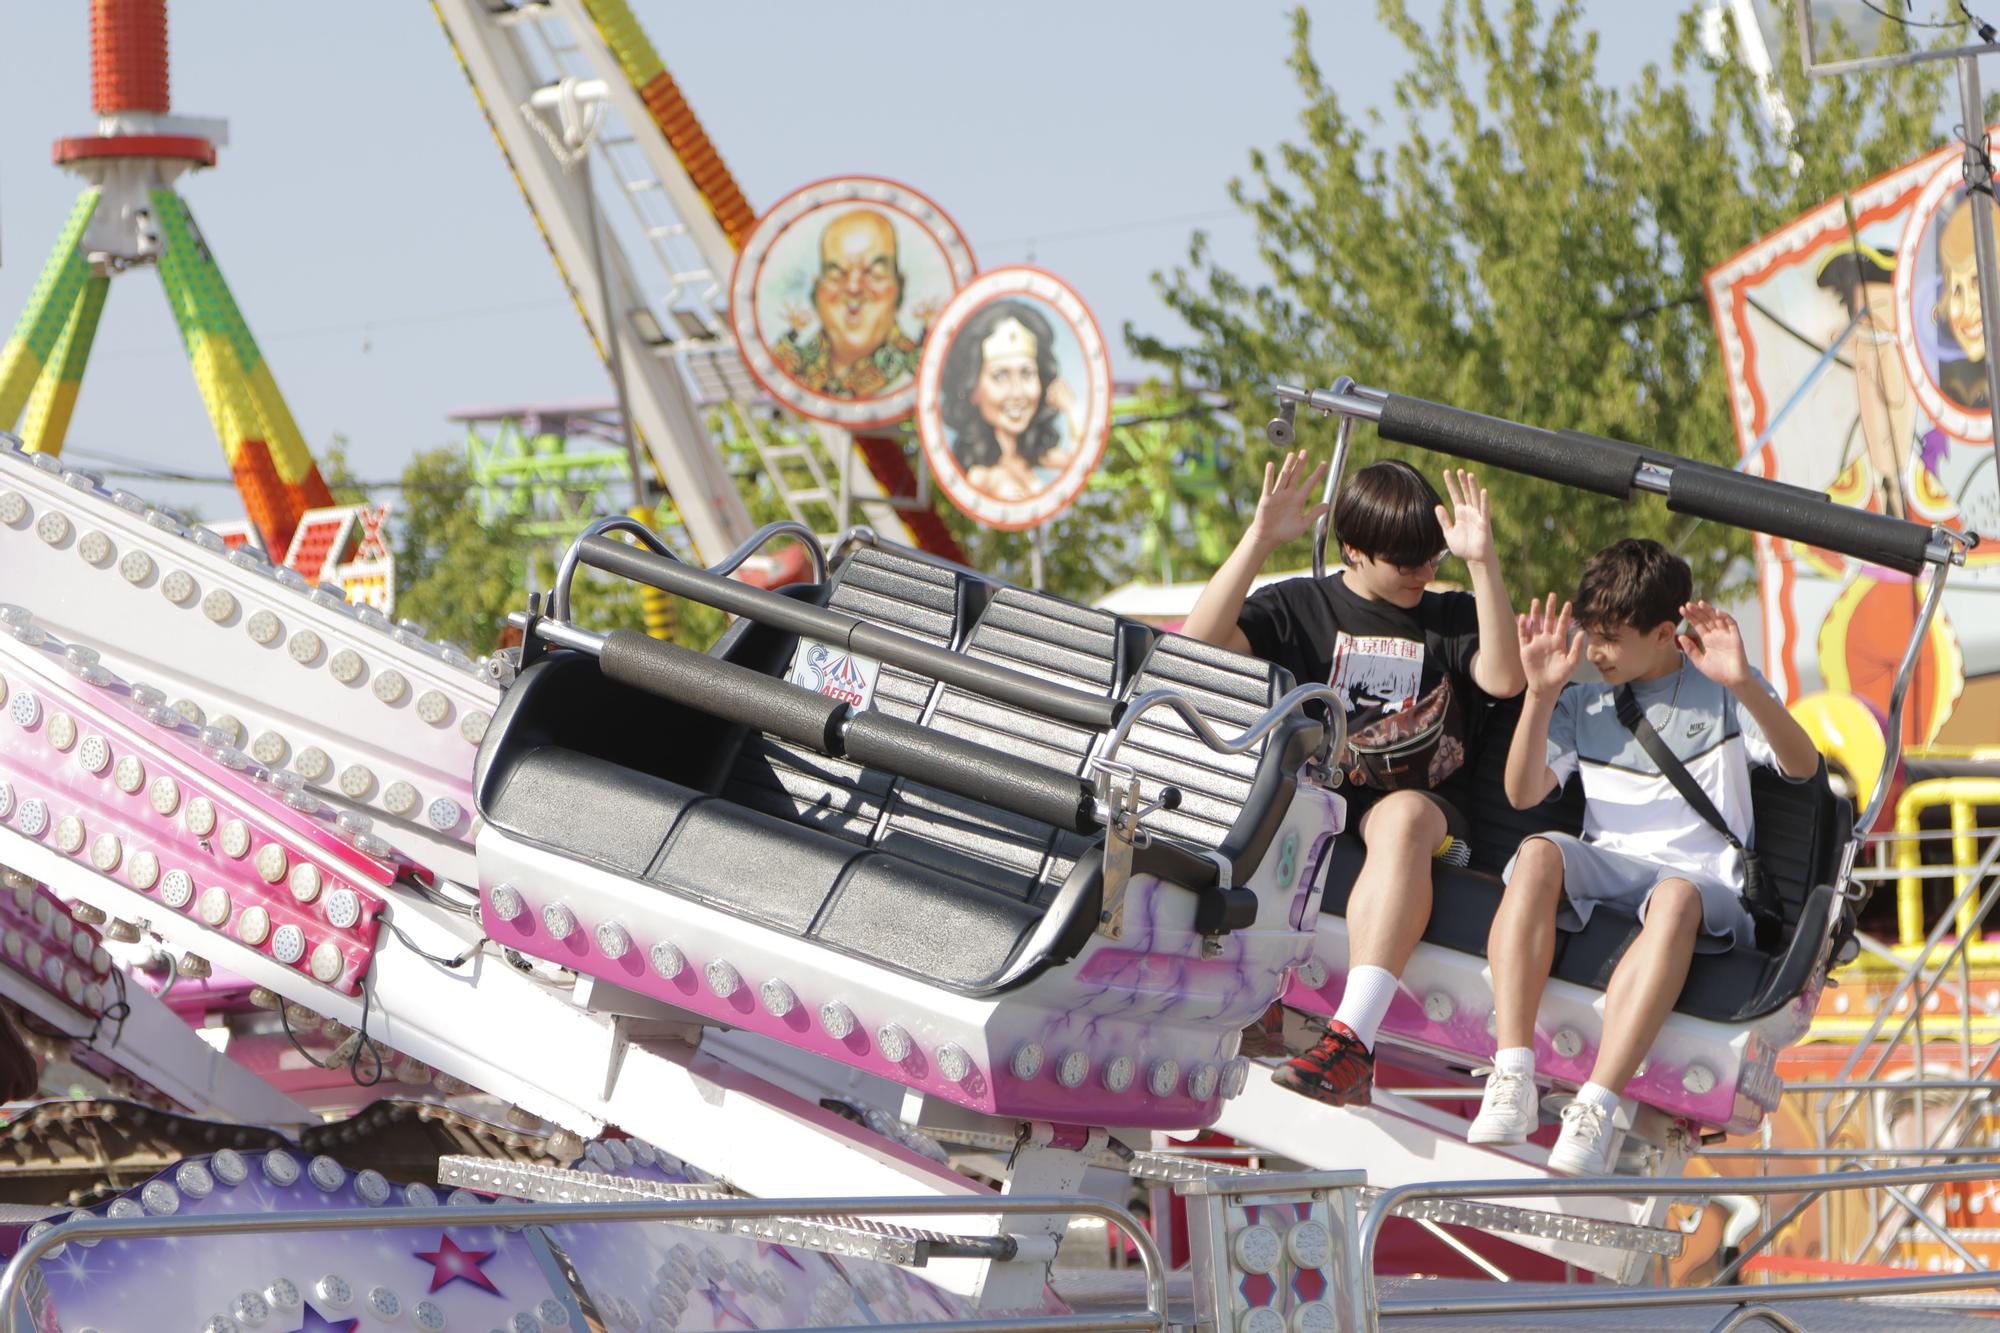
x: 1340, y: 1071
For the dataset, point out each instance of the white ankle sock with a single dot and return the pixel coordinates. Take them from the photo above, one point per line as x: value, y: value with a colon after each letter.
x: 1365, y: 1002
x: 1599, y: 1096
x: 1515, y: 1060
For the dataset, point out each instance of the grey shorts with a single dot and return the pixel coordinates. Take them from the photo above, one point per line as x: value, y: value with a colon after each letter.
x: 1593, y: 875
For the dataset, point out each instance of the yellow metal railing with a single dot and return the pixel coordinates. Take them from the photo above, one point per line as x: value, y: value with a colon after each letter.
x: 1963, y: 797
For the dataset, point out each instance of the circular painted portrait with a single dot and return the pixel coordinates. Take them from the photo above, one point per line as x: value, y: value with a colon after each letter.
x: 1937, y: 290
x: 835, y: 292
x: 1014, y: 397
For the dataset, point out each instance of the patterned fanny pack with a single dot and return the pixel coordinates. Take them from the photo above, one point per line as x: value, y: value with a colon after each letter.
x: 1419, y: 746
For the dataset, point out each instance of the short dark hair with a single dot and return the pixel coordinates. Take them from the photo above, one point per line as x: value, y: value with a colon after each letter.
x: 1387, y: 511
x: 1635, y: 582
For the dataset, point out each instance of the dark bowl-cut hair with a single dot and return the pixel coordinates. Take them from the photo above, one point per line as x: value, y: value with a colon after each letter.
x: 972, y: 441
x: 1635, y: 583
x: 1387, y: 511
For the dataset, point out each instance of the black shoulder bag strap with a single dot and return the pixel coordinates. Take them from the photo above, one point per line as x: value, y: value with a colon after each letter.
x: 1765, y: 912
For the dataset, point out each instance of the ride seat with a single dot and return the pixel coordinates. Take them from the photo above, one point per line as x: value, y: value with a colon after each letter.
x: 1232, y: 691
x: 914, y: 597
x: 880, y: 867
x: 1799, y: 826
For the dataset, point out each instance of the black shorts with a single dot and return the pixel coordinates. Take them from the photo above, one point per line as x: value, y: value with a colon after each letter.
x: 1449, y: 799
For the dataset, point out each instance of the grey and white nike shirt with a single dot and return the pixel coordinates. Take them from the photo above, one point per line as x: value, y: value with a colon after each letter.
x: 1628, y: 806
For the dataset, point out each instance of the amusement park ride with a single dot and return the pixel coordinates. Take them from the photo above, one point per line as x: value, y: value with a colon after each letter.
x: 882, y: 1005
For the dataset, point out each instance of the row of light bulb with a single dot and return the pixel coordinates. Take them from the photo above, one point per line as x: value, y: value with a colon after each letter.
x: 341, y: 907
x: 305, y: 646
x: 45, y: 960
x: 1567, y: 1043
x: 1259, y: 1250
x: 1072, y: 1069
x: 15, y: 509
x: 196, y: 1179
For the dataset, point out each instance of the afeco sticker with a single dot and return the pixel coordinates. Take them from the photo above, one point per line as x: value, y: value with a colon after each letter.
x: 847, y: 677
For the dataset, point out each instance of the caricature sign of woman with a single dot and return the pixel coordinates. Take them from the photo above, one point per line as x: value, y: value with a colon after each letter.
x: 1013, y: 398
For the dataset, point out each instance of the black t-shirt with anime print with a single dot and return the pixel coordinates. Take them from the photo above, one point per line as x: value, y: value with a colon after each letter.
x: 1404, y: 674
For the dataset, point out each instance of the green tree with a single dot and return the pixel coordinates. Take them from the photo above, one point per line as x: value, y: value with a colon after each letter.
x: 458, y: 576
x: 1164, y: 505
x: 338, y: 473
x: 1518, y: 239
x: 461, y: 576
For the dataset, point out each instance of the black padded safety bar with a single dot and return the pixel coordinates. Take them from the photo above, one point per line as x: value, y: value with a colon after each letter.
x: 827, y: 726
x: 1768, y: 506
x: 970, y: 769
x: 1048, y: 698
x: 1550, y: 455
x: 724, y: 689
x: 1609, y: 467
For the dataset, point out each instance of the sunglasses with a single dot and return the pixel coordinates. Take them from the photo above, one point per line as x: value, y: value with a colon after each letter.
x: 1423, y: 567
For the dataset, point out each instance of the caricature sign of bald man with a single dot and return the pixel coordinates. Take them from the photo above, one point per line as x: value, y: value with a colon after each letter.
x: 859, y: 350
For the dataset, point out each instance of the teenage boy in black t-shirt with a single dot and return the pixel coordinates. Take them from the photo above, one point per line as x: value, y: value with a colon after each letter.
x: 1409, y: 665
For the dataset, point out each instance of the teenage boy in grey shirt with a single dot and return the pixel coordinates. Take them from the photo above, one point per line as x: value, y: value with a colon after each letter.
x: 1644, y: 847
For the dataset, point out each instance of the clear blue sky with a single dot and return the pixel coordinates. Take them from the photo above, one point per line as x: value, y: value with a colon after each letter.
x: 378, y: 248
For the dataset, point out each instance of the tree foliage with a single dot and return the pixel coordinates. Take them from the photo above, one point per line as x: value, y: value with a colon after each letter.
x: 1165, y: 505
x: 457, y: 575
x: 1516, y: 238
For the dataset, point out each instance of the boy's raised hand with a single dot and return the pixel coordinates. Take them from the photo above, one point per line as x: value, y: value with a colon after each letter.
x: 1550, y: 645
x: 1716, y: 645
x: 1468, y: 528
x: 1282, y: 515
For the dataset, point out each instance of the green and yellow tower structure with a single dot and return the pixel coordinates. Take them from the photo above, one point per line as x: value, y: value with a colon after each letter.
x: 129, y: 214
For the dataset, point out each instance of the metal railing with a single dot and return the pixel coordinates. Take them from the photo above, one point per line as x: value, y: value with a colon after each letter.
x: 729, y: 564
x: 1605, y: 1297
x: 1152, y: 1320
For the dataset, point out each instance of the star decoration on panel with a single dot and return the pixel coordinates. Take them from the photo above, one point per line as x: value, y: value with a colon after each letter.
x: 722, y: 1306
x: 452, y: 1264
x: 319, y: 1323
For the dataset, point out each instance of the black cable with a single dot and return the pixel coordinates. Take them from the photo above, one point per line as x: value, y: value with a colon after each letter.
x: 1979, y: 25
x: 1977, y: 169
x: 460, y: 961
x: 117, y: 1012
x: 1910, y: 22
x: 353, y: 1061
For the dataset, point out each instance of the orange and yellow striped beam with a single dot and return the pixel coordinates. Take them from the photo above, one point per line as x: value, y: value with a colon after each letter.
x: 670, y: 110
x: 49, y: 312
x: 268, y: 457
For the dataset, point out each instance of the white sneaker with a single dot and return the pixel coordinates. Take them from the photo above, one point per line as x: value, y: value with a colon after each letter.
x: 1508, y: 1113
x: 1584, y: 1147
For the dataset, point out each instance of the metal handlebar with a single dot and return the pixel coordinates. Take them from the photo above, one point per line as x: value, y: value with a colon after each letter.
x: 1892, y: 750
x: 1324, y: 524
x: 566, y: 571
x: 1180, y: 703
x: 861, y: 534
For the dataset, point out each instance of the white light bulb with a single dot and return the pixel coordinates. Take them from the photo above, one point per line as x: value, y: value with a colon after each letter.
x: 836, y: 1019
x: 778, y: 998
x: 893, y: 1042
x: 559, y: 921
x: 667, y: 961
x: 1073, y: 1069
x: 613, y: 940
